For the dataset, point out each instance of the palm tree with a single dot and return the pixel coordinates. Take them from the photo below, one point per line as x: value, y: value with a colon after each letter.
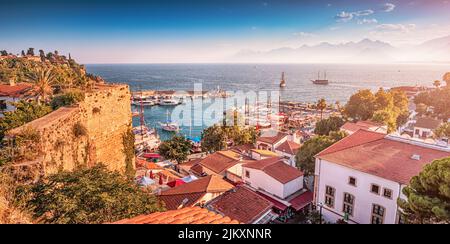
x: 437, y: 83
x: 446, y: 78
x: 321, y: 105
x: 42, y: 80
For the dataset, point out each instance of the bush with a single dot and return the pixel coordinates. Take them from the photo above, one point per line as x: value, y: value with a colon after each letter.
x: 88, y: 196
x: 67, y: 99
x: 79, y: 130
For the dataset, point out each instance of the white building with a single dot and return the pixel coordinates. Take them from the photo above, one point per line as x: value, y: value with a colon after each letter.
x: 360, y: 178
x: 424, y: 127
x: 288, y: 150
x: 274, y: 176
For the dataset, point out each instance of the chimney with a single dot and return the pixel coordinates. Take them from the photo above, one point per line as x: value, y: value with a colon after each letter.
x: 415, y: 157
x: 184, y: 202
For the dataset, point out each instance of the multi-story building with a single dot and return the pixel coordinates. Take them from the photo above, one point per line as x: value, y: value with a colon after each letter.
x: 360, y: 178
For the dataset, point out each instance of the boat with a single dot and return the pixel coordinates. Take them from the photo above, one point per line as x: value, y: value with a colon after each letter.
x: 321, y: 81
x: 170, y: 126
x: 283, y: 81
x: 169, y: 102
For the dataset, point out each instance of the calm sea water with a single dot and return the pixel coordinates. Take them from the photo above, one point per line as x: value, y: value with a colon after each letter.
x: 344, y: 80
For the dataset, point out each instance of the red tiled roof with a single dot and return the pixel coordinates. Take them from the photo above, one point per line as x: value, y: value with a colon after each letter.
x: 193, y: 191
x: 14, y: 91
x: 276, y: 168
x: 373, y: 153
x: 220, y: 161
x: 190, y: 215
x: 243, y: 148
x: 289, y: 147
x: 241, y: 204
x: 272, y: 139
x: 302, y: 200
x: 428, y: 123
x: 362, y: 125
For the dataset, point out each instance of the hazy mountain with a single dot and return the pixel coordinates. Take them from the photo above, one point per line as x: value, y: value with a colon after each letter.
x: 364, y: 51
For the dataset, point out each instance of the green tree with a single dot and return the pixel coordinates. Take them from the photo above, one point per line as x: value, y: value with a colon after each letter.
x: 421, y: 108
x: 446, y: 78
x: 25, y: 112
x: 437, y: 83
x: 88, y: 196
x: 3, y: 53
x: 383, y: 100
x: 325, y: 126
x: 67, y: 99
x: 386, y: 117
x: 214, y: 139
x: 321, y: 105
x: 30, y: 51
x: 305, y: 158
x: 42, y: 80
x: 428, y: 194
x: 442, y: 131
x: 361, y: 105
x: 178, y: 148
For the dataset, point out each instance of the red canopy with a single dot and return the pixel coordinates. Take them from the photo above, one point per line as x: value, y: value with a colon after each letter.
x: 177, y: 182
x: 151, y: 155
x: 301, y: 201
x: 278, y: 205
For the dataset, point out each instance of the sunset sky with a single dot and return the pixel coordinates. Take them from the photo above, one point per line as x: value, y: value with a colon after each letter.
x: 135, y: 31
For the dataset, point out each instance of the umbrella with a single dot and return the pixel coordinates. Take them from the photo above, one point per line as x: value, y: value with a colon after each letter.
x: 151, y: 175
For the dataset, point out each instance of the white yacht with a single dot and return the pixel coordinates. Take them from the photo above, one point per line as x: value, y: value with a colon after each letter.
x: 168, y: 102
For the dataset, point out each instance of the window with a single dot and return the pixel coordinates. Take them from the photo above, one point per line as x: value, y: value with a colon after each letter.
x: 352, y: 181
x: 349, y: 201
x: 375, y: 189
x: 247, y: 174
x: 378, y: 214
x: 329, y: 196
x: 387, y: 193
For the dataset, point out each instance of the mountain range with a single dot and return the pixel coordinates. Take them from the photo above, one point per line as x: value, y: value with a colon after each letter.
x: 364, y: 51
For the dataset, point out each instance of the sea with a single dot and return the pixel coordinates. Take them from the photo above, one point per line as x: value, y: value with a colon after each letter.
x: 345, y: 79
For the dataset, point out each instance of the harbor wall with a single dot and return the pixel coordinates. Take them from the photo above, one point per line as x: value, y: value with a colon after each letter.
x: 86, y: 134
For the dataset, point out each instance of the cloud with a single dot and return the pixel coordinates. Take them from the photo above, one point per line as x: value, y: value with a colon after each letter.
x: 304, y: 34
x: 396, y: 28
x: 344, y: 16
x: 347, y: 16
x: 367, y: 21
x: 388, y: 7
x: 364, y: 12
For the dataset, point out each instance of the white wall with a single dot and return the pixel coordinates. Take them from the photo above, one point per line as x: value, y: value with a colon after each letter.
x: 291, y: 158
x: 337, y: 176
x: 260, y: 180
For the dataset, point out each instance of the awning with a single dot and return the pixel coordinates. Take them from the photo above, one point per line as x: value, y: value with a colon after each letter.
x: 177, y: 182
x: 278, y: 205
x: 301, y: 201
x: 151, y: 155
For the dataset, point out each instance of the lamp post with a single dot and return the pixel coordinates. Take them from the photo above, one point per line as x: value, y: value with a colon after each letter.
x: 320, y: 212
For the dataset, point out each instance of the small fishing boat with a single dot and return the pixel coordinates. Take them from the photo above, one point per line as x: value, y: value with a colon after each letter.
x: 169, y: 102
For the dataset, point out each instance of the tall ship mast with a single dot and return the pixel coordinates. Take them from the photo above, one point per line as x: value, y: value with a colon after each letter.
x: 319, y: 81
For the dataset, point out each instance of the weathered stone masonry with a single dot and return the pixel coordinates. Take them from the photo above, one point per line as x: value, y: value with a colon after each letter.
x: 85, y: 134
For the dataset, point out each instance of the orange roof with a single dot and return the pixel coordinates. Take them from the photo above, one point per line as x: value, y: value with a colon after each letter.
x: 14, y: 91
x: 194, y: 191
x: 190, y: 215
x: 220, y: 161
x: 289, y: 147
x: 272, y: 139
x: 241, y: 204
x: 276, y: 168
x: 374, y: 153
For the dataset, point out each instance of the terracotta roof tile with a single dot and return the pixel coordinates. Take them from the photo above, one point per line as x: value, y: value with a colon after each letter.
x: 190, y: 215
x: 220, y: 161
x: 272, y: 139
x: 428, y: 123
x: 193, y: 191
x: 242, y: 204
x: 375, y: 154
x: 276, y: 168
x: 14, y: 91
x: 289, y: 147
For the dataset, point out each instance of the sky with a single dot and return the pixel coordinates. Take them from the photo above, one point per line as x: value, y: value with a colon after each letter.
x: 172, y: 31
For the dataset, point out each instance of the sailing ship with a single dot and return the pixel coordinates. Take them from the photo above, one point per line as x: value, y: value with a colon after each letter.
x: 319, y: 81
x: 169, y: 125
x: 146, y: 139
x: 283, y: 81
